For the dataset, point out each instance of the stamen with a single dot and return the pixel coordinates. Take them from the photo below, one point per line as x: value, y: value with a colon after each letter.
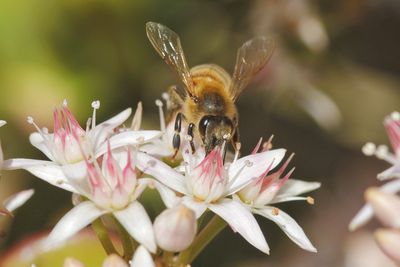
x: 95, y: 106
x: 159, y: 104
x: 65, y: 103
x: 369, y: 149
x: 30, y: 120
x: 137, y: 118
x: 310, y: 200
x: 88, y: 122
x: 237, y: 151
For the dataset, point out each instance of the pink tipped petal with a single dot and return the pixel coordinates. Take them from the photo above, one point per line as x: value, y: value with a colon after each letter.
x: 128, y: 138
x: 137, y: 223
x: 242, y: 171
x: 162, y: 172
x: 17, y: 200
x: 294, y: 187
x: 142, y: 258
x: 199, y: 207
x: 288, y: 225
x: 103, y: 130
x: 242, y: 221
x: 72, y: 222
x: 362, y: 217
x: 45, y: 170
x: 389, y: 242
x: 37, y: 141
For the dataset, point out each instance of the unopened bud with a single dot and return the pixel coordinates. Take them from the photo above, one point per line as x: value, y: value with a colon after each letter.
x: 175, y: 228
x: 389, y: 241
x: 114, y: 261
x: 386, y: 206
x: 71, y: 262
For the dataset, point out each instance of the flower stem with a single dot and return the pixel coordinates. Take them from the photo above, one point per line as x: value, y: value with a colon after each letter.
x: 128, y: 244
x: 214, y: 226
x: 103, y: 236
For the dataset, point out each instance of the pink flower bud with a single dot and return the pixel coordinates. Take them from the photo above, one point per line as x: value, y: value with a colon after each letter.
x: 175, y: 228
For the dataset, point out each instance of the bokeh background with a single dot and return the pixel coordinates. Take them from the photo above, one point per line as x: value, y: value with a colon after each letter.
x: 334, y: 75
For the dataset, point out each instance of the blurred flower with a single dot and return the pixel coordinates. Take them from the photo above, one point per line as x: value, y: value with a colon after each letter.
x: 141, y: 258
x: 17, y: 200
x: 69, y: 143
x: 392, y: 125
x: 208, y: 183
x: 270, y: 189
x: 113, y: 188
x: 175, y: 228
x: 389, y: 242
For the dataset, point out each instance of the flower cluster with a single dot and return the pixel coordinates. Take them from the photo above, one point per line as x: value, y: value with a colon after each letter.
x: 108, y: 166
x: 384, y: 202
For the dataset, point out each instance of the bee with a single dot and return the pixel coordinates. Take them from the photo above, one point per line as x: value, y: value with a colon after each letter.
x: 208, y: 103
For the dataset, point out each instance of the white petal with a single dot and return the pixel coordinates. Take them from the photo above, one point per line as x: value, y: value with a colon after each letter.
x: 104, y: 129
x: 167, y: 195
x: 157, y: 148
x: 128, y: 138
x: 37, y: 141
x: 392, y: 172
x: 2, y: 123
x: 17, y: 200
x: 142, y: 258
x: 362, y: 217
x: 137, y: 223
x: 162, y: 172
x: 197, y: 206
x: 242, y: 171
x: 242, y: 221
x: 289, y: 226
x: 294, y: 187
x: 45, y: 170
x: 74, y: 221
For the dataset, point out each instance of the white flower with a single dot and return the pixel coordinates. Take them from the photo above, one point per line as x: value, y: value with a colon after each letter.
x: 114, y: 189
x: 392, y: 125
x: 270, y: 189
x: 208, y: 185
x: 69, y: 142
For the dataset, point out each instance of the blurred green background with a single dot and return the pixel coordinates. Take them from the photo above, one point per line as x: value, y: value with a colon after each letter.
x: 332, y: 79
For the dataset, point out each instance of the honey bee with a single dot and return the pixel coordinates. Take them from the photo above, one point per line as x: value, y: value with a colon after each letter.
x: 208, y: 103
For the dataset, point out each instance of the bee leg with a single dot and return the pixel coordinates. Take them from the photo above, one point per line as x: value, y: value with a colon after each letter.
x: 176, y: 141
x: 191, y: 137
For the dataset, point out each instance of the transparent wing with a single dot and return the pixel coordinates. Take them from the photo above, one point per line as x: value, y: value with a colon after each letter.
x: 168, y: 45
x: 252, y: 56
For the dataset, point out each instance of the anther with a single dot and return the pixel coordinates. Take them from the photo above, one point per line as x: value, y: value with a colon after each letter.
x: 275, y: 211
x: 382, y: 151
x: 369, y: 149
x: 310, y: 200
x: 395, y: 115
x: 65, y: 103
x: 95, y: 106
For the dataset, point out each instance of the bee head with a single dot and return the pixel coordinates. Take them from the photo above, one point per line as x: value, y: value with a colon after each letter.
x: 215, y: 130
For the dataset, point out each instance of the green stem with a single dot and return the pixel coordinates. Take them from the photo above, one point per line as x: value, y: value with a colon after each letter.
x: 103, y: 236
x: 214, y: 226
x: 128, y: 244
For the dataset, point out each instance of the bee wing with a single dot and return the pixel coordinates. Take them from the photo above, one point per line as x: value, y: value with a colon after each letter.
x: 251, y: 58
x: 168, y: 45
